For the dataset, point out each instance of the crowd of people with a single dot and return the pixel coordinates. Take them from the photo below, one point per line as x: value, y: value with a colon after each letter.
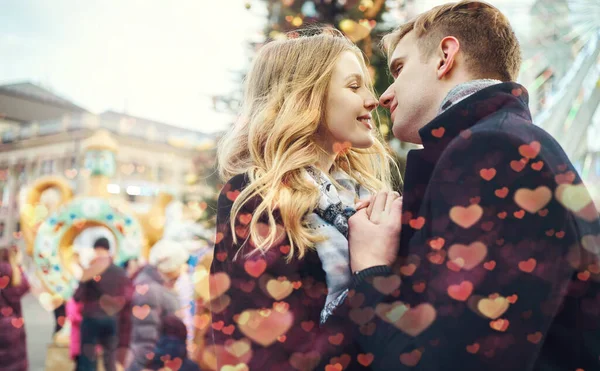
x: 128, y: 315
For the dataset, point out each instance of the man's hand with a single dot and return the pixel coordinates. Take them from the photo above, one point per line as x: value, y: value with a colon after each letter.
x: 374, y: 233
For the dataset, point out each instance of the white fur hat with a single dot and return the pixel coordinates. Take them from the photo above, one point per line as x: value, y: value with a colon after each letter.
x: 168, y: 256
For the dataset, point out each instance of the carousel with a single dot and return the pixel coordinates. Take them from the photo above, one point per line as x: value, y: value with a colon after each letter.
x: 59, y: 229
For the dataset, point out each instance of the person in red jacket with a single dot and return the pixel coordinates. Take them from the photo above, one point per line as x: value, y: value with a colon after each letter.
x: 13, y: 286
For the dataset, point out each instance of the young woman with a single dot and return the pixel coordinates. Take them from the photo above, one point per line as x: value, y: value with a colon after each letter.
x: 303, y: 153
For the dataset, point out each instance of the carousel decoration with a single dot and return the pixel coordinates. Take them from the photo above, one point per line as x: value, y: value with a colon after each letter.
x: 55, y: 238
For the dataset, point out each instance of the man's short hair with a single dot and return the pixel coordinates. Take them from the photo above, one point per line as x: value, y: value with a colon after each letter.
x: 102, y: 243
x: 172, y: 325
x: 489, y: 44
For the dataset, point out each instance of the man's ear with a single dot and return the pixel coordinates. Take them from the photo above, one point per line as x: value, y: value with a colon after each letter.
x: 448, y: 51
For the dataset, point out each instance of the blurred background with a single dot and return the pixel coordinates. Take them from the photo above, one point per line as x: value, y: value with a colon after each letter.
x: 164, y: 80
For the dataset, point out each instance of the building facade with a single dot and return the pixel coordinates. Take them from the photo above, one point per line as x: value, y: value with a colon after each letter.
x: 41, y: 134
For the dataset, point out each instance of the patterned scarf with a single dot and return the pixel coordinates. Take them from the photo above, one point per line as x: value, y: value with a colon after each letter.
x: 330, y: 218
x: 464, y: 90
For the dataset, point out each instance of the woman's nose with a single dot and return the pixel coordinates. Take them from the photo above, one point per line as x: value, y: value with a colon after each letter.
x: 371, y: 103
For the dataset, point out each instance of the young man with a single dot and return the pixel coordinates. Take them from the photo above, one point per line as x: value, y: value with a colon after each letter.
x: 497, y: 267
x: 105, y: 290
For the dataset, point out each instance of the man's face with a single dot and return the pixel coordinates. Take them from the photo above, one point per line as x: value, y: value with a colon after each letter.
x: 414, y: 97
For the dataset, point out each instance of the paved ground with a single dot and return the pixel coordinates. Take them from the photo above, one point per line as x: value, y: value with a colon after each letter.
x: 39, y: 325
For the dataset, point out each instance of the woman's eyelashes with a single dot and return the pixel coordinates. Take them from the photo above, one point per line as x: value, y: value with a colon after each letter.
x: 397, y: 71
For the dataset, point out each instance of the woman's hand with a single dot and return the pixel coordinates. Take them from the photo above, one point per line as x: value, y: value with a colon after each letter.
x: 374, y: 235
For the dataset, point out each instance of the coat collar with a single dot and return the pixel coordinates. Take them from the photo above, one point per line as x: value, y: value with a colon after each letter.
x: 462, y: 116
x: 437, y: 135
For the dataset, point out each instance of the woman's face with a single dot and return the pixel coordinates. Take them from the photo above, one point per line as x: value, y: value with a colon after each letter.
x: 348, y: 106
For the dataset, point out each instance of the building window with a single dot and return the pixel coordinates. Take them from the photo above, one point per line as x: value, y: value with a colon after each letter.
x: 68, y: 162
x: 160, y: 174
x: 4, y: 189
x: 166, y: 174
x: 22, y: 174
x: 47, y: 167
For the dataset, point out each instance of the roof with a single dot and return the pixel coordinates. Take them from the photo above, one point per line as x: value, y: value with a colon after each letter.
x: 36, y: 93
x: 161, y: 127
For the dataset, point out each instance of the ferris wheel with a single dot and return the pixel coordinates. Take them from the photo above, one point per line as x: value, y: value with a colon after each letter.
x: 572, y: 100
x: 566, y: 92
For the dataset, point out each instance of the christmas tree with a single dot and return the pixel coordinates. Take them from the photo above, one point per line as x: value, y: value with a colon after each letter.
x: 207, y: 185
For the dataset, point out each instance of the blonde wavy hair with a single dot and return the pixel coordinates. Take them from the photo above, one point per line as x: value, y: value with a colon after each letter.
x: 274, y: 139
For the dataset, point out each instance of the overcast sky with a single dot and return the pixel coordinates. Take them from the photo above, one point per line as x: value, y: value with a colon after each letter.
x: 155, y: 58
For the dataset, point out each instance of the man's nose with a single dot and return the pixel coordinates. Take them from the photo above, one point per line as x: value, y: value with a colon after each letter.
x: 386, y: 98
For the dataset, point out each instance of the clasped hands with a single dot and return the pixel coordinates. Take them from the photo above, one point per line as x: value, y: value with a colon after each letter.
x: 374, y: 231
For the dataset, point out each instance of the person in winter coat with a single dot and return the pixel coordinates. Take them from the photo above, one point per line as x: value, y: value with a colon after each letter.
x: 13, y: 286
x: 303, y: 153
x: 105, y: 291
x: 491, y: 261
x: 171, y: 349
x: 153, y: 299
